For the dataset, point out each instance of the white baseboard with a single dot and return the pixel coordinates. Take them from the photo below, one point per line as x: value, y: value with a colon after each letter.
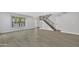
x: 13, y: 30
x: 70, y: 32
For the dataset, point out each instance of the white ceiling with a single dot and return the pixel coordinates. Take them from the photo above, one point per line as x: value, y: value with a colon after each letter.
x: 35, y: 14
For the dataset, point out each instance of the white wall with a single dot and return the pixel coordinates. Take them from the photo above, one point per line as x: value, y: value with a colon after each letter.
x: 5, y: 23
x: 68, y: 22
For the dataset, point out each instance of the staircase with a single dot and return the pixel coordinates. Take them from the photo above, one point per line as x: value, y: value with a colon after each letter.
x: 48, y: 22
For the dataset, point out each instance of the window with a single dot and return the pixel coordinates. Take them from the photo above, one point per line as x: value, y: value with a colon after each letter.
x: 18, y: 21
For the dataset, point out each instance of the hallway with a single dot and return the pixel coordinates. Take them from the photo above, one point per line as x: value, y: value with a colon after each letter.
x: 38, y: 38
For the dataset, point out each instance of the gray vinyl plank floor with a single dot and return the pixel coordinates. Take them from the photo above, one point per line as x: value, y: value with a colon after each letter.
x: 38, y: 38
